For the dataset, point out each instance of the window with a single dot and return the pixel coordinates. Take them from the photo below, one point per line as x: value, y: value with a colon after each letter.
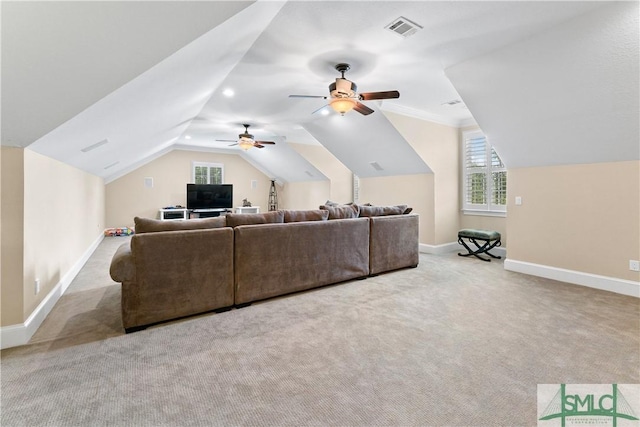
x: 207, y: 173
x: 484, y: 176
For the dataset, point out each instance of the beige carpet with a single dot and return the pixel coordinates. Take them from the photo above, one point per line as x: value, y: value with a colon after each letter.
x: 455, y: 341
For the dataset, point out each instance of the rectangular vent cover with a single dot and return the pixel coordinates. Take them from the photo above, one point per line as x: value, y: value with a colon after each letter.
x: 404, y: 27
x: 111, y: 165
x: 94, y: 146
x: 376, y: 166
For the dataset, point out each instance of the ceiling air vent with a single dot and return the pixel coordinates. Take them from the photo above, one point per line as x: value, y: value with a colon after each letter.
x: 403, y: 27
x: 376, y: 166
x: 111, y: 165
x: 94, y: 146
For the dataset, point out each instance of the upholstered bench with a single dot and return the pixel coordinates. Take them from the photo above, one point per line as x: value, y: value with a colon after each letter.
x: 489, y: 239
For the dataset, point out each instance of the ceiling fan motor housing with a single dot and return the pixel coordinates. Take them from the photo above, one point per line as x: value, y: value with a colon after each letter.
x: 343, y: 88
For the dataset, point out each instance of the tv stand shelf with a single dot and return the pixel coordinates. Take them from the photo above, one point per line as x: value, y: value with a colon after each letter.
x: 206, y: 213
x: 173, y: 214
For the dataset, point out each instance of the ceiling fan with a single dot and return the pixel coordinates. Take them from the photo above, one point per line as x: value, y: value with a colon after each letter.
x: 343, y: 96
x: 246, y: 141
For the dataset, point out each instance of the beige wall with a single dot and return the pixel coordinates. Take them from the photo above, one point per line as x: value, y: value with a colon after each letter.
x: 127, y: 196
x: 63, y: 216
x: 51, y: 214
x: 577, y: 217
x: 12, y: 236
x: 340, y: 183
x: 438, y: 145
x: 304, y: 195
x: 413, y: 190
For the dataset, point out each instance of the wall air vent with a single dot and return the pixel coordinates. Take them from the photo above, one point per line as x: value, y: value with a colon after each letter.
x: 94, y: 146
x: 403, y: 27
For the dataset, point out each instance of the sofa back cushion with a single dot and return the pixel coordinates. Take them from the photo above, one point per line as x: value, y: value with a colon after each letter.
x: 342, y: 211
x: 234, y: 220
x: 306, y: 215
x: 369, y: 211
x: 149, y: 225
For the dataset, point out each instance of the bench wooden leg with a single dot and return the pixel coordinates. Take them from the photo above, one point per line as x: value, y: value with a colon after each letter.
x: 480, y: 249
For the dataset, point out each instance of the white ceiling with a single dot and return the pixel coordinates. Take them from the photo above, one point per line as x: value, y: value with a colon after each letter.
x: 146, y: 75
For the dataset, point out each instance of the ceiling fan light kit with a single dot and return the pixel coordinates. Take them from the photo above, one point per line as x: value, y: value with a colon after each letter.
x: 245, y: 143
x: 342, y: 105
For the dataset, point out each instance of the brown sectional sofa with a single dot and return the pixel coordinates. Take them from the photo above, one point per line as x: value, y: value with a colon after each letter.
x: 214, y: 264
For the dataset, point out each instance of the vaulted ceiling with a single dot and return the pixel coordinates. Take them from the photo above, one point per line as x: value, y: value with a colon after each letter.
x: 107, y: 86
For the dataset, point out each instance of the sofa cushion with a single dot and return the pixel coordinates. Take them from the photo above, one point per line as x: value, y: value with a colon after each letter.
x: 383, y: 210
x: 149, y: 225
x: 234, y: 220
x: 342, y: 211
x: 306, y: 215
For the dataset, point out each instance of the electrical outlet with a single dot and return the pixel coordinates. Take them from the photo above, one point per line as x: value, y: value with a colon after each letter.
x: 634, y: 265
x: 37, y: 289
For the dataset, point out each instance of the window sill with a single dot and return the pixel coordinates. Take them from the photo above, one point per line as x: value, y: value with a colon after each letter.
x: 500, y: 214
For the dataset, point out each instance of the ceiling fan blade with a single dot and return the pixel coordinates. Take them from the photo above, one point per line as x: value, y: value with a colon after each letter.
x: 321, y: 108
x: 307, y: 96
x: 390, y: 94
x: 266, y: 142
x: 231, y: 145
x: 255, y: 144
x: 227, y: 140
x: 363, y: 109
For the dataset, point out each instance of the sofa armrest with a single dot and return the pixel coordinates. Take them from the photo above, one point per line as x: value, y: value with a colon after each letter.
x: 178, y: 273
x: 394, y: 242
x: 122, y: 267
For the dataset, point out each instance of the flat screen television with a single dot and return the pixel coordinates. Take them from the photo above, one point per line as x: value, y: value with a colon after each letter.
x: 209, y: 196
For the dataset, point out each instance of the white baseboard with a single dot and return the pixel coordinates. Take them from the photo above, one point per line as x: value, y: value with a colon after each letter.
x: 15, y: 335
x: 438, y: 249
x: 612, y: 284
x: 452, y: 247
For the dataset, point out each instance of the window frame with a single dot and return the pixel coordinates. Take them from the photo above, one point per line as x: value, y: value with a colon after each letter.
x: 208, y: 165
x: 489, y: 208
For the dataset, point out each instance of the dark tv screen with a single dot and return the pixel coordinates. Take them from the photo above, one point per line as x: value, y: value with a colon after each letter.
x: 209, y: 196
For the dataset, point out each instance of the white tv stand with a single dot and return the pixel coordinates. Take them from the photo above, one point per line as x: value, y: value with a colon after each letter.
x: 183, y: 213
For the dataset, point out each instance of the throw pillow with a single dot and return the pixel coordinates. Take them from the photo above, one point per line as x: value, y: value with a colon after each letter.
x: 234, y: 220
x: 382, y: 210
x: 149, y: 225
x: 343, y: 211
x: 306, y: 215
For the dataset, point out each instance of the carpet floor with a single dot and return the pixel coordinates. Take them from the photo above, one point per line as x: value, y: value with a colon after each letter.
x: 454, y: 342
